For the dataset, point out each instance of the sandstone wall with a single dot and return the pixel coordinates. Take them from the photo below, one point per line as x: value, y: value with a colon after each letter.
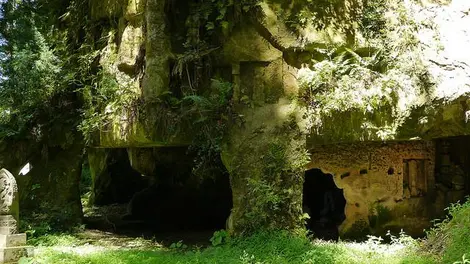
x: 386, y: 185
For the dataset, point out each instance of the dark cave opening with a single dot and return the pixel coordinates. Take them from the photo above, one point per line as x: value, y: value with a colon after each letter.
x: 183, y: 206
x: 452, y: 165
x: 118, y: 182
x: 324, y: 202
x: 173, y: 205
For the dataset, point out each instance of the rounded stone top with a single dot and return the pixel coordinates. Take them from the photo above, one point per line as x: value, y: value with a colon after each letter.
x: 8, y: 193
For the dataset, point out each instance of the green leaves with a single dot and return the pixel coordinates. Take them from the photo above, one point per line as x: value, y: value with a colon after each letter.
x: 219, y: 238
x: 30, y: 68
x: 209, y: 113
x: 372, y: 20
x: 211, y: 16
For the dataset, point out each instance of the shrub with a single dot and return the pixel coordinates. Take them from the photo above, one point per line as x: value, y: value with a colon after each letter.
x: 451, y: 237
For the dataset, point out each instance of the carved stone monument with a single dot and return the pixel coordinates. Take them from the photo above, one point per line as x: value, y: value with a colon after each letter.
x: 12, y: 244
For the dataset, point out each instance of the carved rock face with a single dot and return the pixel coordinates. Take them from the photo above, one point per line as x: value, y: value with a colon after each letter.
x: 8, y: 194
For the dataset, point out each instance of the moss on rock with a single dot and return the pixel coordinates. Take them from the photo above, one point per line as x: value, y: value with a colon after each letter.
x: 265, y: 156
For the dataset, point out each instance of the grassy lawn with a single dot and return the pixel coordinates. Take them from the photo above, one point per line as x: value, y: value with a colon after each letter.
x: 261, y: 248
x: 447, y: 242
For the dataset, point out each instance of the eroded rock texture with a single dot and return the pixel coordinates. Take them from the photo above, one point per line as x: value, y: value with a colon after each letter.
x: 9, y: 195
x: 386, y: 185
x: 350, y: 133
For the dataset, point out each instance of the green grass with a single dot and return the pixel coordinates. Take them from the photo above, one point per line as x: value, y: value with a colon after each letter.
x: 261, y: 248
x: 450, y: 239
x: 448, y: 242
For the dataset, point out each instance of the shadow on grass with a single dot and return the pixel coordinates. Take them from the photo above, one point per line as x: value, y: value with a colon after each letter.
x: 262, y: 248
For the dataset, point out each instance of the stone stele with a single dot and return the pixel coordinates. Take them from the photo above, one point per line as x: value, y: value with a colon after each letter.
x: 12, y: 244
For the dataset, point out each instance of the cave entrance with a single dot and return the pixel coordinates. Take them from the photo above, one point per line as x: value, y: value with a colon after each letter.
x: 160, y: 197
x: 178, y: 204
x: 452, y: 167
x: 324, y: 202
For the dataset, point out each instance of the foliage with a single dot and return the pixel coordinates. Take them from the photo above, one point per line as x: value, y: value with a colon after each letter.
x: 380, y: 215
x: 206, y: 25
x: 28, y: 68
x: 372, y: 21
x: 272, y: 197
x: 105, y: 101
x: 178, y: 245
x: 41, y: 233
x: 38, y: 102
x: 262, y: 247
x: 269, y: 201
x: 219, y: 238
x: 211, y: 114
x: 210, y: 16
x: 348, y: 17
x: 270, y: 176
x: 451, y: 237
x: 34, y: 230
x: 372, y: 89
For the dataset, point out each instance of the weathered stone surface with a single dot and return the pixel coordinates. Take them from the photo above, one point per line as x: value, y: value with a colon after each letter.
x: 8, y: 225
x: 8, y: 195
x: 261, y: 82
x: 12, y: 245
x: 245, y: 44
x: 444, y: 40
x: 142, y: 160
x: 13, y: 254
x: 13, y: 240
x: 134, y: 10
x: 157, y: 163
x: 131, y: 41
x: 158, y: 51
x: 442, y: 111
x: 273, y: 136
x: 438, y: 110
x: 386, y: 185
x: 97, y: 159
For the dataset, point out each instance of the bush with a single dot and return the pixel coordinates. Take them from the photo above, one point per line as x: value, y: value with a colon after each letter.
x: 451, y: 238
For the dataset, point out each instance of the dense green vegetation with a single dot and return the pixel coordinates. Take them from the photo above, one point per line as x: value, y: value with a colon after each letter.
x: 60, y: 85
x: 37, y: 85
x: 450, y: 238
x: 259, y: 248
x: 446, y: 243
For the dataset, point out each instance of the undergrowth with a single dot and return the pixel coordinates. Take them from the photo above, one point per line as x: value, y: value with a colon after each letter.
x: 261, y: 248
x: 447, y: 242
x: 451, y: 237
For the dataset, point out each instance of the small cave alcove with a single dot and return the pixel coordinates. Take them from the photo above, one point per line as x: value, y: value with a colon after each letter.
x: 169, y: 204
x: 452, y: 166
x: 115, y: 182
x: 324, y: 202
x: 177, y: 204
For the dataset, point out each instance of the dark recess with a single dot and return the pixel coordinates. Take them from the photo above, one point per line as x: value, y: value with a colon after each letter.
x: 325, y: 203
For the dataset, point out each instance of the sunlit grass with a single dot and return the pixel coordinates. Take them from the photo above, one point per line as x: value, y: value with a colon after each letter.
x: 262, y: 248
